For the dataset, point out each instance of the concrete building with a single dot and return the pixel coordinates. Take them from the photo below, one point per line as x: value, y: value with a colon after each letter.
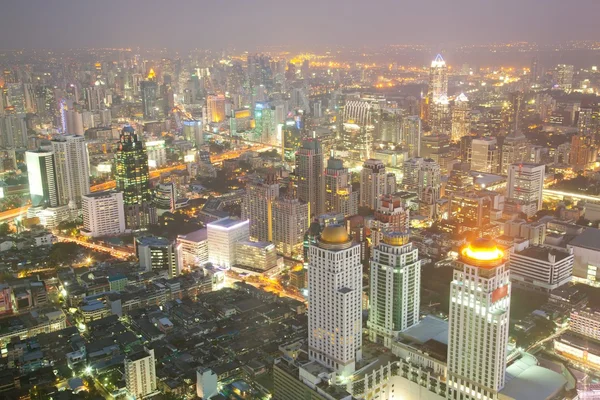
x: 43, y: 179
x: 586, y: 250
x: 257, y: 207
x: 103, y: 214
x: 290, y: 222
x: 478, y: 323
x: 461, y: 118
x: 485, y: 155
x: 586, y: 322
x: 339, y: 197
x: 157, y: 153
x: 525, y: 186
x: 335, y: 292
x: 541, y: 268
x: 374, y: 182
x: 395, y: 288
x: 222, y: 236
x: 309, y: 174
x: 194, y: 248
x: 140, y: 373
x: 72, y: 168
x: 422, y: 176
x: 255, y: 256
x: 157, y: 254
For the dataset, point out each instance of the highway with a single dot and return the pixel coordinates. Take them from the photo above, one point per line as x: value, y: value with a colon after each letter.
x: 154, y: 174
x: 124, y: 255
x: 577, y: 196
x: 9, y: 215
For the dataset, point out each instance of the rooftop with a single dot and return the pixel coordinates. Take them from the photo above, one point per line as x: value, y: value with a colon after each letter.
x: 542, y: 253
x: 197, y: 236
x: 429, y: 328
x: 527, y: 380
x: 589, y: 239
x: 227, y: 223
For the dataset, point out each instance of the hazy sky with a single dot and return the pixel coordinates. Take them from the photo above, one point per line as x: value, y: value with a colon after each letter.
x: 216, y: 24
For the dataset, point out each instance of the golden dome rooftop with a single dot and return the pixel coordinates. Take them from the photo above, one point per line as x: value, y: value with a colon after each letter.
x: 482, y: 252
x: 335, y: 234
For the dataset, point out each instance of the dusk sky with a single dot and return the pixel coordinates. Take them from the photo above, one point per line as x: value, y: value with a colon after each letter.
x: 302, y: 24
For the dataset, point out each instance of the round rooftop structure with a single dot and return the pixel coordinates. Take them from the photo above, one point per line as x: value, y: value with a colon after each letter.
x: 482, y: 253
x: 335, y: 237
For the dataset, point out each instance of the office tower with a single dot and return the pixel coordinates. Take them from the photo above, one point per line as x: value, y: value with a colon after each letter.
x: 460, y: 180
x: 437, y: 96
x: 339, y: 197
x: 437, y: 148
x: 43, y: 182
x: 485, y: 155
x: 157, y: 153
x: 13, y: 131
x: 391, y: 215
x: 149, y: 91
x: 374, y: 182
x: 165, y: 197
x: 423, y: 177
x: 222, y: 236
x: 410, y: 132
x: 94, y: 98
x: 471, y: 209
x: 478, y: 322
x: 73, y: 122
x: 525, y: 186
x: 290, y: 222
x: 131, y: 176
x: 103, y: 214
x: 534, y: 71
x: 363, y: 111
x: 194, y: 248
x: 583, y: 152
x: 215, y: 108
x: 72, y: 168
x: 140, y: 373
x: 335, y: 292
x: 15, y: 97
x: 515, y: 149
x: 257, y: 207
x: 395, y: 288
x: 564, y: 76
x: 540, y: 268
x: 159, y: 254
x: 461, y: 118
x: 309, y: 174
x: 192, y: 132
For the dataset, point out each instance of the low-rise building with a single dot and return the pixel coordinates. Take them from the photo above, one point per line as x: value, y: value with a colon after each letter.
x: 541, y: 268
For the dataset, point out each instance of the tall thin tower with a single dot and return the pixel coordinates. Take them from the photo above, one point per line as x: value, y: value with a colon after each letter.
x: 309, y: 174
x: 439, y: 106
x: 479, y: 322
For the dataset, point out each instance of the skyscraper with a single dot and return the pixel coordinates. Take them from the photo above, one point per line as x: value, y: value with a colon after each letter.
x: 525, y: 186
x: 140, y: 373
x: 437, y: 96
x: 309, y: 175
x: 215, y: 108
x: 290, y: 222
x: 339, y: 197
x: 257, y: 206
x: 13, y: 131
x: 131, y: 176
x: 72, y: 168
x: 374, y: 182
x: 43, y: 182
x: 395, y: 288
x: 149, y: 91
x: 423, y: 177
x: 478, y: 323
x: 335, y: 291
x: 411, y: 135
x: 485, y: 155
x: 461, y: 118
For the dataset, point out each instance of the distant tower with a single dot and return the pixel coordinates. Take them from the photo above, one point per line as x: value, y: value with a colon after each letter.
x: 131, y: 176
x: 525, y: 186
x: 478, y: 323
x: 149, y: 89
x: 439, y: 106
x: 461, y: 118
x: 257, y: 206
x: 43, y: 182
x: 309, y: 173
x: 395, y: 288
x: 374, y: 182
x: 339, y: 197
x: 72, y: 167
x: 335, y: 292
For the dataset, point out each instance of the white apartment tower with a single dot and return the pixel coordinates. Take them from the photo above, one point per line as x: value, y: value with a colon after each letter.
x: 339, y: 197
x: 478, y: 323
x: 257, y: 206
x: 484, y: 155
x: 222, y: 236
x: 309, y: 174
x: 72, y: 168
x: 439, y: 106
x: 290, y: 222
x: 374, y: 182
x: 103, y: 214
x: 335, y: 292
x: 422, y: 176
x: 525, y: 186
x: 395, y: 288
x: 140, y: 374
x: 461, y: 118
x: 43, y: 182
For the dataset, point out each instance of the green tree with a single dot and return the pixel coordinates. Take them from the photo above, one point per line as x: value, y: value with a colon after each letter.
x: 4, y: 229
x: 63, y: 253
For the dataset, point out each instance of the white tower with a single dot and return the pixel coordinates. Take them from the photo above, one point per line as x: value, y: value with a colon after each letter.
x: 72, y: 168
x: 525, y: 185
x: 479, y: 322
x: 335, y: 291
x: 395, y: 288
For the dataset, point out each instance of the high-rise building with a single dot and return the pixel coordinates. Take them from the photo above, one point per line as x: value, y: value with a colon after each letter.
x: 290, y: 222
x: 13, y: 131
x: 437, y: 96
x: 374, y: 182
x: 222, y: 236
x: 485, y: 155
x: 395, y: 288
x: 194, y: 248
x: 525, y: 186
x: 437, y: 148
x: 309, y: 175
x: 478, y: 322
x: 149, y: 92
x: 410, y: 132
x: 215, y: 108
x: 339, y: 197
x: 564, y: 76
x: 461, y: 118
x: 335, y: 292
x: 72, y: 168
x: 140, y: 373
x: 159, y: 254
x: 131, y: 176
x: 257, y: 206
x: 583, y: 152
x: 540, y: 268
x: 157, y: 153
x: 43, y: 182
x: 423, y: 177
x: 515, y: 149
x: 103, y: 214
x: 391, y: 215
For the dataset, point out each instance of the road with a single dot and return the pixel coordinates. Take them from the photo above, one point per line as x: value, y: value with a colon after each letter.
x: 96, y: 247
x: 561, y: 194
x: 533, y: 348
x: 263, y: 286
x: 9, y: 215
x: 154, y: 174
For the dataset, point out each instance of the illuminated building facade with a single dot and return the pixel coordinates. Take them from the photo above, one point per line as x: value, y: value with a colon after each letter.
x: 525, y: 185
x: 374, y: 182
x: 43, y: 182
x: 158, y: 254
x: 222, y: 238
x: 485, y: 155
x: 395, y: 288
x: 290, y: 222
x: 72, y: 168
x: 437, y: 96
x: 461, y: 118
x: 309, y: 174
x: 215, y: 108
x: 149, y: 91
x: 257, y: 206
x: 339, y: 197
x: 478, y: 322
x: 335, y: 292
x: 131, y: 176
